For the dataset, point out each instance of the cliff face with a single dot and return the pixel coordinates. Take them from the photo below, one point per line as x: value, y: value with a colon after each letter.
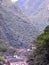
x: 41, y: 16
x: 14, y: 25
x: 37, y: 11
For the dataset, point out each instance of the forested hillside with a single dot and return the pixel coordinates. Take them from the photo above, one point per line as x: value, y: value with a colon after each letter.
x: 41, y: 54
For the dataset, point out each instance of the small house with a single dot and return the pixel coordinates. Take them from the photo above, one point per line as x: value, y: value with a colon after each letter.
x: 15, y: 62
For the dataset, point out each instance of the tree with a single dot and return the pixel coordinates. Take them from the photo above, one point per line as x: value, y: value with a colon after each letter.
x: 46, y: 29
x: 41, y: 54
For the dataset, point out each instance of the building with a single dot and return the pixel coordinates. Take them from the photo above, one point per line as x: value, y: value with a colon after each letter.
x: 15, y: 62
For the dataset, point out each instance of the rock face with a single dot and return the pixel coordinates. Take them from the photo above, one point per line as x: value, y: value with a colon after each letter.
x: 15, y: 26
x: 37, y: 11
x: 41, y: 16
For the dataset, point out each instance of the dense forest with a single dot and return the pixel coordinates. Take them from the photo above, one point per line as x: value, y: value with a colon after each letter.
x: 41, y: 55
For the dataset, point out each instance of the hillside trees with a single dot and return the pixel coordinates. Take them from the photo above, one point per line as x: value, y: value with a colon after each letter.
x: 3, y: 45
x: 41, y: 54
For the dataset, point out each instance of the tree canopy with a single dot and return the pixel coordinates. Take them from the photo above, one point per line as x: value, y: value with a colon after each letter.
x: 41, y: 54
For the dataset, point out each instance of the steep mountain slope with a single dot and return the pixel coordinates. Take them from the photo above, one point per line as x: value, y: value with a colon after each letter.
x: 37, y: 11
x: 41, y: 16
x: 15, y: 26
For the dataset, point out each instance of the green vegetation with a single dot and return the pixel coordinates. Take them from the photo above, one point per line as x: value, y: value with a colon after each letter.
x: 41, y: 54
x: 3, y: 46
x: 46, y: 29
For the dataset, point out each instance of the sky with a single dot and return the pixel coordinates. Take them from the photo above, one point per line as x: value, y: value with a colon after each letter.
x: 14, y: 0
